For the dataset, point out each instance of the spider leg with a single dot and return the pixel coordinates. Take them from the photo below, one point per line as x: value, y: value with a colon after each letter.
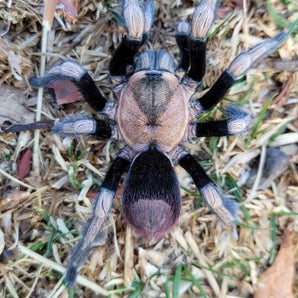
x: 92, y: 232
x: 83, y: 126
x: 138, y: 22
x: 80, y: 126
x: 202, y: 20
x: 68, y: 79
x: 237, y: 122
x: 192, y: 39
x: 239, y: 66
x: 226, y: 210
x: 182, y: 36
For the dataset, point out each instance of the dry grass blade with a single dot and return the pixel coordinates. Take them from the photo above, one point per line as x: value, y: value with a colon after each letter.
x: 48, y: 263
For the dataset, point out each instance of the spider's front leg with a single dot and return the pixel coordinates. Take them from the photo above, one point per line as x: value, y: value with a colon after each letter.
x: 93, y: 231
x: 192, y: 40
x: 70, y: 80
x: 138, y: 22
x: 83, y: 126
x: 239, y: 66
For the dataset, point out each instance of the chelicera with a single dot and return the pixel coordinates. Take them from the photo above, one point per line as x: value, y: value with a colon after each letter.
x: 155, y: 111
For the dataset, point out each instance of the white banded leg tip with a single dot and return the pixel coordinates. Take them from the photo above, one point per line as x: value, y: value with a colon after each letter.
x: 244, y: 61
x: 238, y: 120
x: 134, y: 19
x: 183, y: 28
x: 203, y: 18
x: 226, y: 210
x: 76, y: 126
x: 149, y: 8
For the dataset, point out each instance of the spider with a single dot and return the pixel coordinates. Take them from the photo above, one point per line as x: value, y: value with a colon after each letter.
x: 155, y: 111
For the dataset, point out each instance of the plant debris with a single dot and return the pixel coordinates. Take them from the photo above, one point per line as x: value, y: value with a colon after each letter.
x: 277, y: 281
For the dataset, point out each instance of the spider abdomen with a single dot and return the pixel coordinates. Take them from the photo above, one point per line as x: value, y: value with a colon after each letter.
x: 153, y: 109
x: 151, y: 197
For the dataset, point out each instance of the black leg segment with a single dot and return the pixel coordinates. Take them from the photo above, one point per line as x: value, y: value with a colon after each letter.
x: 138, y: 22
x: 182, y: 36
x: 217, y: 91
x: 212, y: 128
x: 236, y: 123
x: 197, y: 53
x: 239, y: 66
x: 124, y: 55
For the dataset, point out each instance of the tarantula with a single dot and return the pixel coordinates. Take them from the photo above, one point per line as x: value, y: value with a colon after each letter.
x: 155, y: 111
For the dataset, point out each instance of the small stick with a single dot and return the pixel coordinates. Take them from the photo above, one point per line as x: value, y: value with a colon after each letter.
x: 128, y: 258
x: 15, y: 179
x: 284, y: 90
x: 36, y: 168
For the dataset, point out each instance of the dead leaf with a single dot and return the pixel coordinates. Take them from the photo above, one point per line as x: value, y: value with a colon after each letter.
x: 65, y: 91
x: 24, y: 164
x: 276, y: 163
x: 3, y: 49
x: 18, y: 64
x: 277, y: 280
x: 11, y: 108
x: 69, y: 8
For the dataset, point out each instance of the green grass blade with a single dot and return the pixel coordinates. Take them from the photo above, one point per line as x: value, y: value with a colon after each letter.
x: 273, y: 233
x: 176, y: 281
x: 195, y: 282
x: 255, y: 130
x: 216, y: 30
x: 279, y: 20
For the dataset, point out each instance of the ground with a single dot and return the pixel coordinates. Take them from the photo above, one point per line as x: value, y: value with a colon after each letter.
x: 201, y: 257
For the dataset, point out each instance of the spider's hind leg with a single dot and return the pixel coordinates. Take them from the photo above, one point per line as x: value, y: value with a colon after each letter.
x: 226, y: 210
x: 138, y: 22
x: 92, y: 232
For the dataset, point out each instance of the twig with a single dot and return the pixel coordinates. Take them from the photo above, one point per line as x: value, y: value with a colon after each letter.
x: 284, y: 90
x: 36, y: 168
x: 15, y: 179
x: 128, y: 259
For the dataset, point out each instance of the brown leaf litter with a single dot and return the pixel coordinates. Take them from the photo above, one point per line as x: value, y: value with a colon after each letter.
x: 277, y: 281
x: 41, y: 216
